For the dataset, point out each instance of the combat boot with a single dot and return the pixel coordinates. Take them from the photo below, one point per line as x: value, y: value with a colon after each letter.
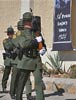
x: 4, y: 90
x: 12, y: 96
x: 29, y: 97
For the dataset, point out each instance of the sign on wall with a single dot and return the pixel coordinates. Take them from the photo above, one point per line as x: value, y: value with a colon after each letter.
x: 62, y: 25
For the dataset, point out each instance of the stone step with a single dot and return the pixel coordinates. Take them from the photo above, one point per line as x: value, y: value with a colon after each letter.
x: 60, y: 84
x: 66, y: 85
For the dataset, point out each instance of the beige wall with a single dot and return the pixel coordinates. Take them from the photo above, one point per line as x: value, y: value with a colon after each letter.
x: 9, y: 15
x: 74, y: 23
x: 10, y: 12
x: 45, y: 9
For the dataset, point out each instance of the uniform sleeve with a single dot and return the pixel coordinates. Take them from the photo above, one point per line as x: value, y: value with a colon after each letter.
x: 4, y: 44
x: 7, y: 44
x: 15, y: 40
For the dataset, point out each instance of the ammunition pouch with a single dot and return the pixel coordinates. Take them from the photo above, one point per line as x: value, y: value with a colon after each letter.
x: 9, y: 55
x: 13, y: 56
x: 31, y: 53
x: 20, y: 54
x: 6, y: 55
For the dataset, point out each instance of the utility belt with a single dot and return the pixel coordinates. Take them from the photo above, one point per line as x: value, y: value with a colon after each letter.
x: 31, y: 53
x: 6, y: 55
x: 9, y: 55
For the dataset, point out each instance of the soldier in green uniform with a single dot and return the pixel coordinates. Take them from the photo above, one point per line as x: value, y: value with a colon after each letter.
x: 36, y: 27
x: 15, y: 72
x: 31, y: 61
x: 7, y: 57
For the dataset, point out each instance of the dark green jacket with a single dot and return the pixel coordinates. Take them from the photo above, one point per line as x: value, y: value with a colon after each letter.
x: 27, y: 40
x: 15, y: 45
x: 7, y: 47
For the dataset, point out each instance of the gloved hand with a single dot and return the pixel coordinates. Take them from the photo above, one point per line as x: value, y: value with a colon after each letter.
x: 42, y: 51
x: 39, y: 39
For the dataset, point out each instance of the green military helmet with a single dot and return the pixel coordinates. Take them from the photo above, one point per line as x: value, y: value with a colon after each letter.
x: 20, y: 25
x: 10, y: 30
x: 27, y: 17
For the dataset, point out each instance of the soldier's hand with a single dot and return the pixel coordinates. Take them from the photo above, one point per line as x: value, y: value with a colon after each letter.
x: 39, y: 39
x: 42, y: 51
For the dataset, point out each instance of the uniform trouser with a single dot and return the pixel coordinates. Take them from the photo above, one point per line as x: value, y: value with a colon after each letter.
x: 14, y: 82
x: 6, y: 76
x: 23, y: 79
x: 28, y: 86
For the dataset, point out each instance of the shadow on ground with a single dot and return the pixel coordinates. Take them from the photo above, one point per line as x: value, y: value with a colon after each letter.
x: 33, y: 97
x: 70, y: 99
x: 59, y: 93
x: 4, y: 92
x: 2, y: 96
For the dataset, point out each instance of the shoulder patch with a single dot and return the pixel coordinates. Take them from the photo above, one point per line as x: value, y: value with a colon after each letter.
x: 14, y: 36
x: 18, y: 33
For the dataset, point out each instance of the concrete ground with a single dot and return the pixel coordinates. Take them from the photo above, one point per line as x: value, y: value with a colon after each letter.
x: 49, y: 95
